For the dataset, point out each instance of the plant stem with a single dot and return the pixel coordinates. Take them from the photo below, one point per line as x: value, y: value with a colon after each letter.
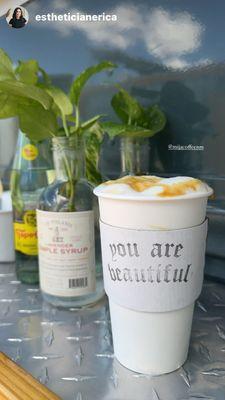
x: 77, y: 117
x: 128, y: 156
x: 138, y: 156
x: 65, y: 125
x: 70, y: 177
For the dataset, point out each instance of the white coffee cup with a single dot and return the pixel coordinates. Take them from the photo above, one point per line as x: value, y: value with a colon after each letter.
x: 151, y: 342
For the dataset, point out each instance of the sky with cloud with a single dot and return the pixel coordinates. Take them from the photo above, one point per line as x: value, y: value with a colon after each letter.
x: 167, y: 36
x: 172, y: 34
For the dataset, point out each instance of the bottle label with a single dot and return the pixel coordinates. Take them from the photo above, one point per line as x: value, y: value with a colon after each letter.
x: 29, y: 152
x: 66, y: 252
x: 25, y: 233
x: 153, y: 271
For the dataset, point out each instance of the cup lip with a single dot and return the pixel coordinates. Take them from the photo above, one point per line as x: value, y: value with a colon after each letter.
x: 188, y: 196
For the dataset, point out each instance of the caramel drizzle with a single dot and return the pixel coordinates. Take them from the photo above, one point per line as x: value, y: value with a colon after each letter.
x: 141, y: 183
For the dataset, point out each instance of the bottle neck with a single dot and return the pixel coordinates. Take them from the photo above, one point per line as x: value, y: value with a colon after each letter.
x: 69, y: 158
x: 31, y: 155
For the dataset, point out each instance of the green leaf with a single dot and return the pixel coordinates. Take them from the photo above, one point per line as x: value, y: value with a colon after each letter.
x: 94, y: 138
x: 127, y: 107
x: 154, y: 118
x: 133, y: 114
x: 27, y: 71
x: 21, y: 89
x: 8, y: 106
x: 91, y: 122
x: 61, y: 100
x: 97, y: 131
x: 85, y: 126
x: 71, y: 118
x: 138, y: 132
x: 92, y: 173
x: 36, y: 122
x: 114, y: 129
x: 6, y: 66
x: 81, y: 80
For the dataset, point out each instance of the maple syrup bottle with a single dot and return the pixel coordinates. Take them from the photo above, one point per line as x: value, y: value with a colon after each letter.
x: 69, y: 274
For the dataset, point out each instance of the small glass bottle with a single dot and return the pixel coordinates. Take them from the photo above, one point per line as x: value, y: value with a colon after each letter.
x: 69, y: 275
x: 30, y: 174
x: 135, y: 156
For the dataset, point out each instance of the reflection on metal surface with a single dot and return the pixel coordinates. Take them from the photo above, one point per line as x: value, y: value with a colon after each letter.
x: 79, y: 338
x: 18, y: 354
x: 201, y: 306
x: 114, y: 378
x: 218, y: 372
x: 79, y: 378
x: 185, y: 377
x: 221, y: 332
x: 197, y: 396
x: 49, y: 338
x: 47, y: 357
x: 71, y: 352
x: 79, y: 355
x: 204, y: 352
x: 44, y: 377
x: 155, y: 395
x: 79, y: 396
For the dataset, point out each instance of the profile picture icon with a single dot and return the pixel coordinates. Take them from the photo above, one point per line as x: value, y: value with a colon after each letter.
x: 17, y: 17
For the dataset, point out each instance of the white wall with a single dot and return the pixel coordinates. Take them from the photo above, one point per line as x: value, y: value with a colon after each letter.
x: 8, y: 138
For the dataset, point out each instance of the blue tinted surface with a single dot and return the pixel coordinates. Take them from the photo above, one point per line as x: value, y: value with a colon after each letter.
x: 169, y: 52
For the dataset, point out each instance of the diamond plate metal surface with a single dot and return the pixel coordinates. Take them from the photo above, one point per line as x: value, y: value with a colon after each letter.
x: 71, y: 351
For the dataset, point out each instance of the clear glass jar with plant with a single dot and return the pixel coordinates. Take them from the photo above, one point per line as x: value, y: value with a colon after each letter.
x: 137, y: 125
x: 66, y: 207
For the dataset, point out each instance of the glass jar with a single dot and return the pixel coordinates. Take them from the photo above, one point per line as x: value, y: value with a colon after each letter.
x: 135, y: 156
x: 68, y: 231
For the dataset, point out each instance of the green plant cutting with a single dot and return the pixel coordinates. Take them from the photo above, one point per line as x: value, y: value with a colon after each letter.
x: 136, y: 121
x: 136, y: 124
x: 45, y: 111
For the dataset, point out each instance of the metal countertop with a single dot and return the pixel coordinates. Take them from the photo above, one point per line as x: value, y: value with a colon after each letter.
x: 71, y: 351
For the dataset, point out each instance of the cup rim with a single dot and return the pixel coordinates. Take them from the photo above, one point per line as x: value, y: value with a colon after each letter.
x: 188, y: 196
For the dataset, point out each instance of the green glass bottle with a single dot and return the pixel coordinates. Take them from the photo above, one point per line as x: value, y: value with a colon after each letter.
x: 31, y: 172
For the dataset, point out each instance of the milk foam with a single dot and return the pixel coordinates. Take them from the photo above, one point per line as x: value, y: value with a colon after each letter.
x: 153, y: 187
